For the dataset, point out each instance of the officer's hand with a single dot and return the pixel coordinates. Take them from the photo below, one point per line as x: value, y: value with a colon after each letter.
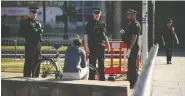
x: 108, y: 49
x: 128, y: 53
x: 122, y: 31
x: 40, y: 30
x: 39, y: 25
x: 163, y: 44
x: 177, y: 42
x: 87, y: 50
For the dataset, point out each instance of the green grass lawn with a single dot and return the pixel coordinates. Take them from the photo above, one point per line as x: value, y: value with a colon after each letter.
x: 12, y: 61
x: 8, y: 60
x: 42, y: 48
x: 22, y: 48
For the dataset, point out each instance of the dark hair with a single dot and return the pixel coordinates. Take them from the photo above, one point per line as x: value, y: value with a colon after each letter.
x: 76, y: 42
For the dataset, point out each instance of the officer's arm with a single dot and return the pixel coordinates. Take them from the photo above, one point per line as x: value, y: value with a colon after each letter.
x: 83, y: 61
x: 107, y: 40
x: 133, y: 40
x: 86, y: 41
x: 175, y: 36
x: 162, y: 37
x: 86, y: 36
x: 135, y: 31
x: 38, y: 28
x: 105, y: 36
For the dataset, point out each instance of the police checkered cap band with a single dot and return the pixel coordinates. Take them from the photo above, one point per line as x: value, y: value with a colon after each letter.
x: 97, y: 9
x: 33, y: 8
x: 130, y: 11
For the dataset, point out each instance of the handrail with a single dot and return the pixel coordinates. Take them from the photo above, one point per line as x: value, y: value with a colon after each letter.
x: 143, y: 85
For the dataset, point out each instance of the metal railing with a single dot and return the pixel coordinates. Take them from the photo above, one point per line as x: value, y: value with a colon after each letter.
x: 48, y: 39
x: 143, y: 85
x: 14, y: 46
x: 13, y: 51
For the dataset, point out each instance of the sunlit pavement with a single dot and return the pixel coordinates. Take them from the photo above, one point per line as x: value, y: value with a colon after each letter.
x: 169, y: 79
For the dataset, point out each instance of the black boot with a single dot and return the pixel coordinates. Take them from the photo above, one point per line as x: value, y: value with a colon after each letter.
x: 168, y: 62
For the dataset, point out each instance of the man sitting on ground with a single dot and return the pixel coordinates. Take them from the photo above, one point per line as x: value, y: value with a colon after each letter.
x: 75, y: 67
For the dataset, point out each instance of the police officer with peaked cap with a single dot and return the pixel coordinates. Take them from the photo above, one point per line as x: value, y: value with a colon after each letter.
x: 94, y: 38
x: 31, y: 30
x: 130, y: 36
x: 169, y: 37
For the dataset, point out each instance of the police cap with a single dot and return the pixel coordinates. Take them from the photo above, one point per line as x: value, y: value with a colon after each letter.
x: 33, y: 9
x: 97, y: 10
x: 169, y: 20
x: 130, y: 11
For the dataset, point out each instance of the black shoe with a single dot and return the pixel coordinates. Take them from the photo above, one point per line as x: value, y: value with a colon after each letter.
x: 170, y: 62
x: 131, y: 86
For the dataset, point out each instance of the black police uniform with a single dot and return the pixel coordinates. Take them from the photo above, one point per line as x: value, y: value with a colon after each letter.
x: 31, y: 30
x: 169, y: 38
x: 134, y: 28
x: 96, y: 32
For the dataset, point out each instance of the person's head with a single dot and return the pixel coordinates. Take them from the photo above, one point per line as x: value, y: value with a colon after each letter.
x: 131, y: 14
x: 169, y: 22
x: 33, y: 12
x: 76, y: 42
x: 96, y: 13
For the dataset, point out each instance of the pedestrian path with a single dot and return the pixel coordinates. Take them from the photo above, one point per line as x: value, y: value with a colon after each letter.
x: 169, y: 80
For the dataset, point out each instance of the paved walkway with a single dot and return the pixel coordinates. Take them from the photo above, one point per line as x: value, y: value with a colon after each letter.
x: 169, y: 80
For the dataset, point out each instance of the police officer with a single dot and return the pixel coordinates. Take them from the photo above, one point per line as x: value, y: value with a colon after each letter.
x: 31, y: 31
x: 169, y: 37
x: 94, y: 38
x: 130, y: 37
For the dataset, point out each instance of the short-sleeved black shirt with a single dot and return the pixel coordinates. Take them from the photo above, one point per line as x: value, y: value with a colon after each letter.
x: 169, y: 35
x: 134, y: 28
x: 96, y: 31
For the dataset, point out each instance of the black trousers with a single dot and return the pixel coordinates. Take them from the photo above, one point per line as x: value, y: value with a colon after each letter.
x: 169, y: 49
x: 97, y: 52
x: 132, y: 68
x: 32, y: 53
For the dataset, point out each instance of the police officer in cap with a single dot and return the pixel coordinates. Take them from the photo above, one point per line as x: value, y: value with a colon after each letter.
x: 169, y: 37
x: 130, y: 37
x: 31, y: 30
x: 94, y: 38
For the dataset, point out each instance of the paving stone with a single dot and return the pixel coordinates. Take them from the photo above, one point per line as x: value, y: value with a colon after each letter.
x: 169, y: 80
